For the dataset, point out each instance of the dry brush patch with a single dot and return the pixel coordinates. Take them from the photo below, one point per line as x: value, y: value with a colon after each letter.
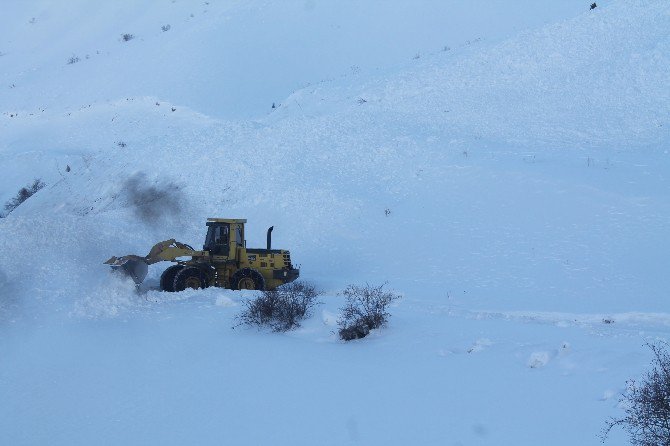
x: 647, y: 404
x: 281, y: 309
x: 365, y: 309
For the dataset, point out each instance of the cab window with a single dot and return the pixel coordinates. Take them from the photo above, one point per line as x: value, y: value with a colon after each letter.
x: 218, y: 239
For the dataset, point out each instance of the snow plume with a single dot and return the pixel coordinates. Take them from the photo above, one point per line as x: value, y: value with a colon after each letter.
x: 3, y: 283
x: 12, y: 306
x: 115, y: 296
x: 153, y: 201
x: 7, y: 299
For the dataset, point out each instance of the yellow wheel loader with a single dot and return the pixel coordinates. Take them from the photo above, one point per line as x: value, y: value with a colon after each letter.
x: 225, y: 261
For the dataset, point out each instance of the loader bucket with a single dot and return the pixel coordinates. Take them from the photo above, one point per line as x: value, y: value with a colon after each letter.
x: 134, y: 267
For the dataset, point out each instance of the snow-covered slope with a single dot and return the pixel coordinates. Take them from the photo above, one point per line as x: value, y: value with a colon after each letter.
x: 512, y: 186
x: 229, y: 58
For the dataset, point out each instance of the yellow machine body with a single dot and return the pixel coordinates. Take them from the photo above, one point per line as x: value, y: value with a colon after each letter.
x: 225, y: 261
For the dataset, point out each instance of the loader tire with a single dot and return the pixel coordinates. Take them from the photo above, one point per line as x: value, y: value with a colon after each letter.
x: 167, y: 278
x: 247, y: 279
x: 190, y: 277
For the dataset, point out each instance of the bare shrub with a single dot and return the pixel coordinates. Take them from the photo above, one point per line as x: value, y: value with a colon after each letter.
x: 73, y: 60
x: 281, y: 309
x: 126, y: 37
x: 365, y: 309
x: 647, y: 404
x: 165, y: 28
x: 22, y: 195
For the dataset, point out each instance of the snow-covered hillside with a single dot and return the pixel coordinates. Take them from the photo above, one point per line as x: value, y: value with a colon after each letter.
x: 504, y: 166
x: 230, y: 58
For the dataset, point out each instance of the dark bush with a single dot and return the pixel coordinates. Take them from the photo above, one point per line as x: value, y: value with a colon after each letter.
x: 647, y: 404
x: 365, y: 309
x: 280, y: 309
x: 126, y: 37
x: 22, y: 195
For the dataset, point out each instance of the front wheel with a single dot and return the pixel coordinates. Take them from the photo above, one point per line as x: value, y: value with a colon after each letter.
x: 247, y: 279
x: 190, y: 277
x: 167, y: 278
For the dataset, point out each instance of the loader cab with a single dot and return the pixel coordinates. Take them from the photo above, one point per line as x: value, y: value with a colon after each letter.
x: 222, y: 234
x: 218, y: 239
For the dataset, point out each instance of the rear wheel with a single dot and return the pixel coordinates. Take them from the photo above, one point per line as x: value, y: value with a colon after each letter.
x: 167, y: 278
x: 247, y: 279
x: 190, y: 277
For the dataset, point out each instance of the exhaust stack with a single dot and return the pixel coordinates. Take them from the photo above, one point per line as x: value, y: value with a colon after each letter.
x: 270, y: 237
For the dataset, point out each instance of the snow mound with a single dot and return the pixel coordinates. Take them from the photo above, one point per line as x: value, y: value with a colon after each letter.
x: 538, y: 360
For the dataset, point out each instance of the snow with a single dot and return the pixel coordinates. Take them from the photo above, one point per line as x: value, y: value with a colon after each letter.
x: 513, y: 188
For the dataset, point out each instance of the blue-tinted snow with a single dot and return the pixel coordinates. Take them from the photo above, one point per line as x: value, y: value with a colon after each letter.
x: 524, y: 168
